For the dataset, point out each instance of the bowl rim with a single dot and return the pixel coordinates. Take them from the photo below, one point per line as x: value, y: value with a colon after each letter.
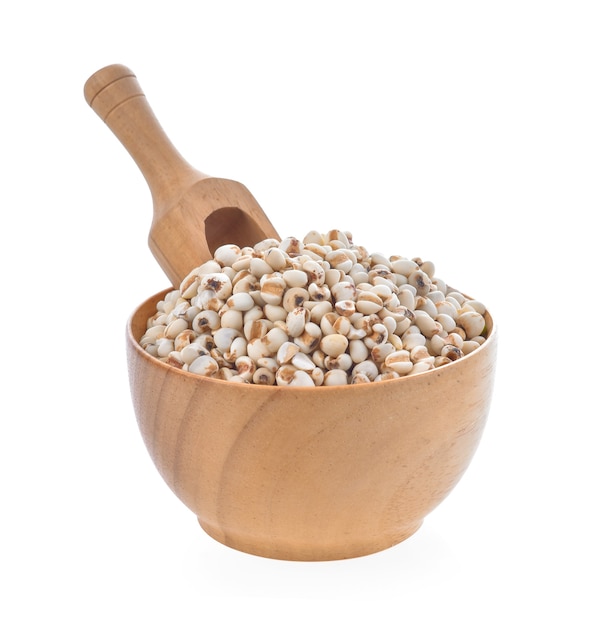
x: 133, y: 342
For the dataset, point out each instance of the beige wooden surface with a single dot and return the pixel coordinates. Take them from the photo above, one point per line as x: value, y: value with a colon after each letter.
x: 193, y: 213
x: 310, y: 473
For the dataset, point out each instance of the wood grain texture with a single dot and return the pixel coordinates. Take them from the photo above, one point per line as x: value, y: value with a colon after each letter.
x: 282, y: 472
x: 310, y: 473
x: 193, y: 213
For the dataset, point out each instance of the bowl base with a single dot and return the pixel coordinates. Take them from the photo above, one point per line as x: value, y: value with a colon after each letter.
x: 304, y: 551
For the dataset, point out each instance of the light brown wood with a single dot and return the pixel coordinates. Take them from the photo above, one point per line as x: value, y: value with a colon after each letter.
x: 282, y: 472
x: 193, y: 213
x: 310, y: 473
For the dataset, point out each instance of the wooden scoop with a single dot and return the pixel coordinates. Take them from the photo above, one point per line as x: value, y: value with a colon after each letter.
x: 193, y: 213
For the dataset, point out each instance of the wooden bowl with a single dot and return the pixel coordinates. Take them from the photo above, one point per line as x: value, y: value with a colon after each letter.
x: 310, y: 473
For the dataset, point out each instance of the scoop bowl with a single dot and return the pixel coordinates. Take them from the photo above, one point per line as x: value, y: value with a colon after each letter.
x: 310, y: 474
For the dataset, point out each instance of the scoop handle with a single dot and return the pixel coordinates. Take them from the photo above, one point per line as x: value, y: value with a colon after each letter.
x: 115, y: 94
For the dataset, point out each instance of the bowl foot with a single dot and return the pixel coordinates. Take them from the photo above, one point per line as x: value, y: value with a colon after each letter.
x: 304, y: 550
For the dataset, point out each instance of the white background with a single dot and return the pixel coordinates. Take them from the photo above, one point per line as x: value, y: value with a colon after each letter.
x: 467, y: 133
